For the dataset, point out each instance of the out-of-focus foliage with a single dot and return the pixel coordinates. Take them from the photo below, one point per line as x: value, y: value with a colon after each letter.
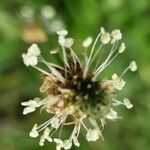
x: 82, y: 18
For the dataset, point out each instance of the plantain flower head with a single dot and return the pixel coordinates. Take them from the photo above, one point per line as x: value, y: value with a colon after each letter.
x: 74, y: 92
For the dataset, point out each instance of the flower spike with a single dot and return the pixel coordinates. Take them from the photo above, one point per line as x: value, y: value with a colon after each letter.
x: 73, y: 92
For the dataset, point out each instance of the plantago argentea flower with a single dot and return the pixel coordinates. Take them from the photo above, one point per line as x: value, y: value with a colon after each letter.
x: 75, y: 93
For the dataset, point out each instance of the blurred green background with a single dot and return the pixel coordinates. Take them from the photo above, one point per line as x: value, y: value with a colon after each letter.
x: 23, y: 22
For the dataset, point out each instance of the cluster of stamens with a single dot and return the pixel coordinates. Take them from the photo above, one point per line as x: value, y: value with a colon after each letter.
x: 74, y: 92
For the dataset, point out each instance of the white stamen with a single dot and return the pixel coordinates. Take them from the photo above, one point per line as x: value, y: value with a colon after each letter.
x: 87, y: 42
x: 89, y: 59
x: 53, y: 70
x: 31, y: 105
x: 133, y: 66
x: 112, y: 115
x: 28, y: 110
x: 65, y: 57
x: 57, y: 74
x: 102, y: 66
x: 34, y: 50
x: 59, y: 142
x: 105, y: 36
x: 34, y: 133
x: 68, y: 42
x: 117, y: 82
x: 29, y: 60
x: 122, y: 48
x: 127, y: 103
x: 116, y: 35
x: 76, y: 57
x: 48, y: 64
x: 61, y: 40
x: 93, y: 135
x: 67, y: 144
x: 31, y: 57
x: 76, y: 142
